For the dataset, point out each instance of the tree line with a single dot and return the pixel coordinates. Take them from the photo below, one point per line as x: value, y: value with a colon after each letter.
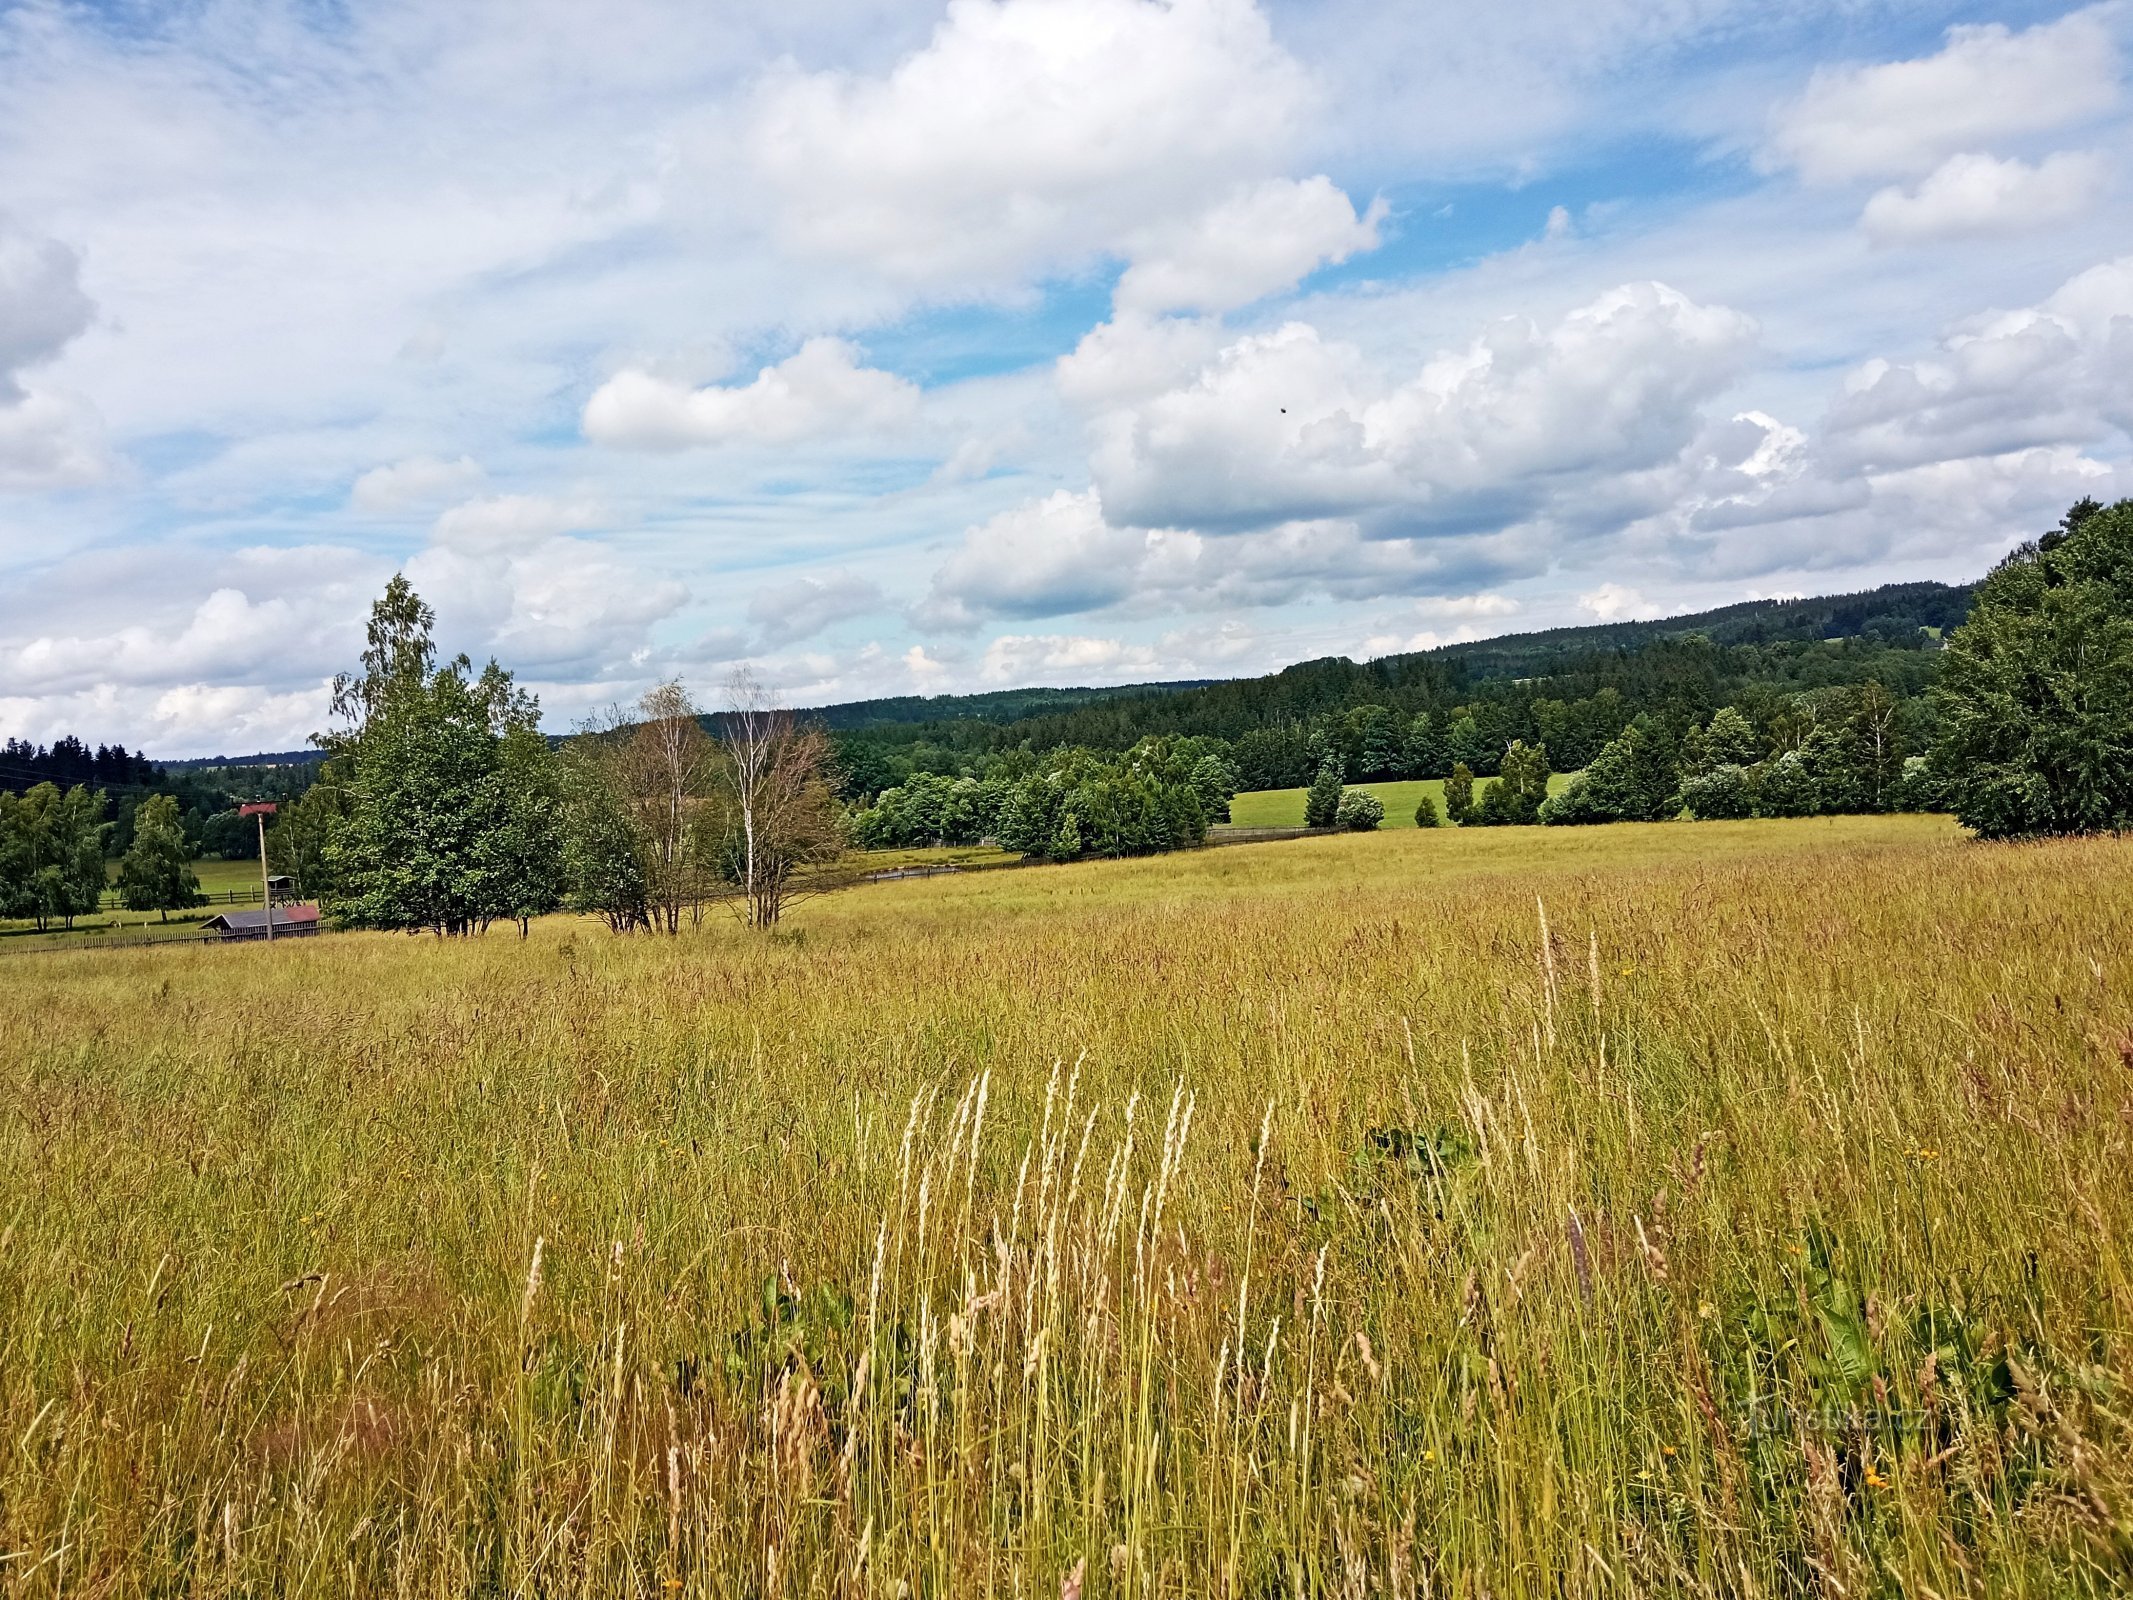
x: 1064, y: 804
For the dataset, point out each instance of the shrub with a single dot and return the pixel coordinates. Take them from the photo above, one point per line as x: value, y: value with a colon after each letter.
x: 1459, y: 795
x: 1723, y: 794
x: 1426, y: 813
x: 1359, y: 811
x: 1323, y: 802
x: 1785, y: 787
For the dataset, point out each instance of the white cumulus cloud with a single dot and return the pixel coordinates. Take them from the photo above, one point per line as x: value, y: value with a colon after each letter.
x: 1256, y: 240
x: 1612, y: 602
x: 505, y: 521
x: 1017, y: 657
x: 1026, y: 132
x: 1043, y: 558
x: 1288, y: 425
x: 47, y: 441
x: 416, y: 481
x: 1979, y: 194
x: 821, y: 389
x: 1904, y: 117
x: 2057, y: 373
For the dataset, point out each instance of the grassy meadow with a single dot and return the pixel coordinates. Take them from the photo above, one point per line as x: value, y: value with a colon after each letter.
x: 1284, y: 808
x: 1731, y: 1209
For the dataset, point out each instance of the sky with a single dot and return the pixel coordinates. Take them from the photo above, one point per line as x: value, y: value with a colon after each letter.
x: 890, y: 348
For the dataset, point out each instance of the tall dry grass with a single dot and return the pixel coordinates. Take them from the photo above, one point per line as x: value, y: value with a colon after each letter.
x: 1731, y: 1209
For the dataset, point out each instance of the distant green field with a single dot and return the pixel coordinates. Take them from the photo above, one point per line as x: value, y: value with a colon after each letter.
x: 217, y: 878
x: 1284, y: 808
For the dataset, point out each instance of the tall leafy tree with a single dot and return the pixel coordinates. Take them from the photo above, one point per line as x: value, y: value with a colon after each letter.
x: 451, y: 797
x: 2035, y: 697
x: 52, y: 854
x: 1521, y: 788
x: 603, y: 866
x: 156, y: 873
x: 1632, y: 779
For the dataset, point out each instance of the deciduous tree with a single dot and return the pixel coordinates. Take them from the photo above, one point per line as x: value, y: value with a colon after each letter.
x: 775, y: 816
x: 156, y: 873
x: 2036, y: 689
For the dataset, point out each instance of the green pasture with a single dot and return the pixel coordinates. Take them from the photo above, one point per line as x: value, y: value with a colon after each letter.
x: 1284, y: 808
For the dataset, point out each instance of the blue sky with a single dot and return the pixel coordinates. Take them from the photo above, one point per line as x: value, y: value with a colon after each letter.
x: 919, y: 347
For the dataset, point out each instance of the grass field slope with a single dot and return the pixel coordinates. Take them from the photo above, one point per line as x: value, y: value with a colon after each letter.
x: 1738, y: 1209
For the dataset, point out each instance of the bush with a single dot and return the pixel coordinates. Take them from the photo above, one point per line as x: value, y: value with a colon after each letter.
x: 1358, y: 811
x: 1785, y: 787
x: 1723, y: 794
x: 1459, y: 795
x: 1426, y: 813
x: 1920, y: 788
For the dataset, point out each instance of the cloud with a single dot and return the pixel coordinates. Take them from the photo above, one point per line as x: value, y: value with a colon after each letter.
x: 1904, y: 117
x: 228, y: 637
x: 42, y: 307
x: 1017, y: 657
x: 1611, y: 602
x: 1978, y: 194
x: 819, y: 390
x: 1026, y: 133
x: 1043, y: 558
x: 1258, y: 239
x: 47, y: 441
x: 1288, y: 426
x: 1058, y: 556
x: 2060, y: 372
x: 1134, y: 356
x: 50, y: 442
x: 559, y: 608
x: 416, y: 481
x: 506, y: 520
x: 787, y: 613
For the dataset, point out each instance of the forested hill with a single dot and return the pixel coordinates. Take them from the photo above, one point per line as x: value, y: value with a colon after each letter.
x: 1895, y: 612
x: 1000, y: 705
x: 1892, y: 613
x: 1684, y: 665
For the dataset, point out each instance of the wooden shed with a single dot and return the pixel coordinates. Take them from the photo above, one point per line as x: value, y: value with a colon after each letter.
x: 290, y: 922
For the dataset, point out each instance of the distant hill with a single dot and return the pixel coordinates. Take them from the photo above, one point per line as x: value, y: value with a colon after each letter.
x: 1892, y: 614
x: 1891, y: 611
x: 266, y: 758
x: 999, y: 705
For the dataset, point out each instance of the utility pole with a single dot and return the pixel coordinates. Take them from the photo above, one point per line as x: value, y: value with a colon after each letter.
x: 263, y: 809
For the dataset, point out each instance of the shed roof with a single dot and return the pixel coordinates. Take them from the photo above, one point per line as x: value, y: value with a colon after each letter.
x: 291, y: 917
